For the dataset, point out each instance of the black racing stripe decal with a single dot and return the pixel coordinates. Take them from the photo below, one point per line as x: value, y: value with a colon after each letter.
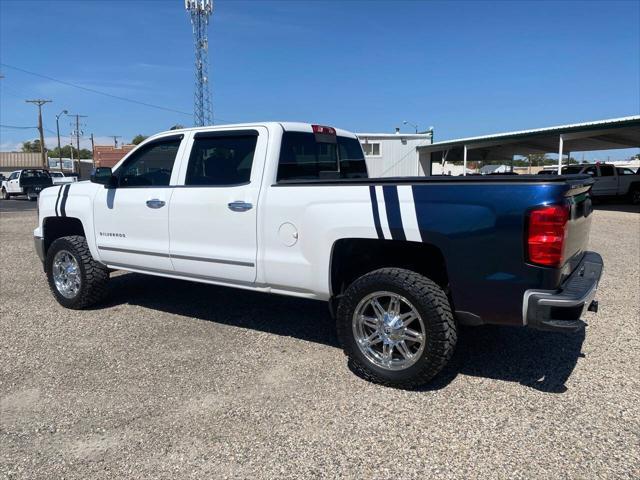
x: 63, y: 204
x: 418, y: 205
x: 392, y: 205
x: 376, y: 212
x: 58, y: 201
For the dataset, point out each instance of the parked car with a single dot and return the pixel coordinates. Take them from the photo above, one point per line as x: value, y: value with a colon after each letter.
x: 59, y: 178
x: 29, y: 182
x: 609, y: 181
x: 288, y: 208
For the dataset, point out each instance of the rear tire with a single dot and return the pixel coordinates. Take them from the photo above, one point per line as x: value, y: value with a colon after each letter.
x: 410, y: 365
x: 634, y: 195
x: 69, y: 261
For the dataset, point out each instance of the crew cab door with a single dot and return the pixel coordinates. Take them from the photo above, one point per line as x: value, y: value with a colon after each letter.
x: 13, y: 183
x: 607, y: 181
x: 213, y: 214
x: 131, y: 221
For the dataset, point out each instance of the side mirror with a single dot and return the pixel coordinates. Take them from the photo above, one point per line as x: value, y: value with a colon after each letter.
x: 104, y: 176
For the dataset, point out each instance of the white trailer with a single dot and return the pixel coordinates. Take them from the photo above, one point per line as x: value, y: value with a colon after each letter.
x: 393, y: 154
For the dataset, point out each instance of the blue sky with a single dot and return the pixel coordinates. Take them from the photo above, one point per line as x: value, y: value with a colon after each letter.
x: 467, y: 68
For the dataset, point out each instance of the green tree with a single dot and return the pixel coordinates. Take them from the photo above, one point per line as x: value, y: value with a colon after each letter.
x: 31, y: 147
x: 65, y: 152
x: 138, y: 139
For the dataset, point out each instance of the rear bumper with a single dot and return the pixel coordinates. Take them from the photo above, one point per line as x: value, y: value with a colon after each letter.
x: 560, y: 310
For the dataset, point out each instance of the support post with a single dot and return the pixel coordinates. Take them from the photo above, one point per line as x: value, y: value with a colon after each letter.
x: 561, y: 147
x: 464, y: 162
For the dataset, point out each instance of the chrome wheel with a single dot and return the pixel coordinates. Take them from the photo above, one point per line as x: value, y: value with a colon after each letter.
x: 66, y: 274
x: 389, y: 330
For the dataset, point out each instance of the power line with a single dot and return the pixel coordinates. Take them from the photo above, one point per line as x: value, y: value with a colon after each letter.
x: 16, y: 127
x: 98, y: 92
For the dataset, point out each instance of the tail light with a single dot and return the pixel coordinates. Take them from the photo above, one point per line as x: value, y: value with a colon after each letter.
x: 546, y: 235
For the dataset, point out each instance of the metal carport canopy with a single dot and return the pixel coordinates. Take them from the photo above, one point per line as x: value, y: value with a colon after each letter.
x: 609, y: 134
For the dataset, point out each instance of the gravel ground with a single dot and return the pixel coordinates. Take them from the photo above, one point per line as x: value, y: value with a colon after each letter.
x: 178, y: 380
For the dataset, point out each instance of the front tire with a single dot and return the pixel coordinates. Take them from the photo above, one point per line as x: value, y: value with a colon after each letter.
x: 396, y: 327
x: 76, y: 280
x: 5, y: 195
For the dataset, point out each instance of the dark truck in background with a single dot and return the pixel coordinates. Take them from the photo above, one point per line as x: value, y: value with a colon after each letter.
x: 29, y: 182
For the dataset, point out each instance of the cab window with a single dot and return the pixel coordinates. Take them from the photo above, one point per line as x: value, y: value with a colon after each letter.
x: 221, y: 159
x: 304, y: 157
x: 607, y: 170
x: 151, y: 165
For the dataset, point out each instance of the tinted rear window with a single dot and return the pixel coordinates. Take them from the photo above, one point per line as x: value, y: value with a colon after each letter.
x: 35, y: 174
x: 302, y: 157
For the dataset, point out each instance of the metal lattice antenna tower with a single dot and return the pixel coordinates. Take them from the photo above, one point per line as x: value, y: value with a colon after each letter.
x: 200, y: 11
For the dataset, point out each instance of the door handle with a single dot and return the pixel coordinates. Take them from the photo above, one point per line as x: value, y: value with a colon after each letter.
x: 239, y: 206
x: 155, y: 203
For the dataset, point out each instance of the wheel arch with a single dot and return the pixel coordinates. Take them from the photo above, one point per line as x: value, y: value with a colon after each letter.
x: 353, y: 257
x: 58, y: 227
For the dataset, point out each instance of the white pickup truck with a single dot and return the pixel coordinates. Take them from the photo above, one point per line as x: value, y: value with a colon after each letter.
x: 288, y: 208
x: 610, y: 181
x: 28, y: 182
x: 59, y: 178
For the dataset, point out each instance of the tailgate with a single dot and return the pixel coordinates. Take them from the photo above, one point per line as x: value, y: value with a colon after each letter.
x: 577, y: 237
x: 42, y: 182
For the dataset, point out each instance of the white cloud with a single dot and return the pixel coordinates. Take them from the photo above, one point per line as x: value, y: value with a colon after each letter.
x: 10, y: 146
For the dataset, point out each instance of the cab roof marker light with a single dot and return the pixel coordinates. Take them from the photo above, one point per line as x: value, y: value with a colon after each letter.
x: 323, y: 129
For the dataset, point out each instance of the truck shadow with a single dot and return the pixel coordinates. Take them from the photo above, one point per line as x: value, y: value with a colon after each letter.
x: 543, y: 361
x: 539, y: 360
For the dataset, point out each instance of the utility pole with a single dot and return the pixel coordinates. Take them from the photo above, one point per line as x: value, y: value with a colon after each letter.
x: 40, y: 103
x: 115, y: 140
x: 78, y: 117
x: 63, y: 112
x: 92, y: 145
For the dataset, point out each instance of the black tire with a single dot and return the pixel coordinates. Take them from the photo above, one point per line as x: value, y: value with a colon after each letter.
x: 634, y: 195
x: 94, y: 276
x: 4, y: 195
x: 32, y: 198
x: 433, y: 306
